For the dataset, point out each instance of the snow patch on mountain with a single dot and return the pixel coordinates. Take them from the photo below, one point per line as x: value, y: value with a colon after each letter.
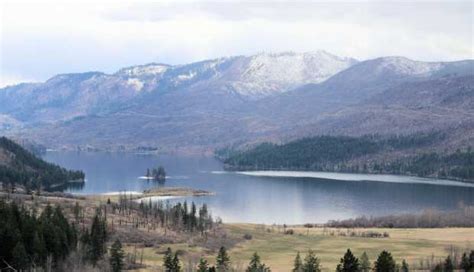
x: 136, y: 83
x: 152, y: 69
x: 405, y: 66
x: 268, y: 73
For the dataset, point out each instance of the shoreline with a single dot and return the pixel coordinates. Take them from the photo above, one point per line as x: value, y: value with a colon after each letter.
x: 388, y: 178
x: 164, y: 192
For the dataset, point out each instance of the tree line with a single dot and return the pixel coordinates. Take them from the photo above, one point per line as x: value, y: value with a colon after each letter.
x: 461, y: 217
x: 311, y: 263
x: 181, y: 216
x: 347, y: 154
x: 25, y: 169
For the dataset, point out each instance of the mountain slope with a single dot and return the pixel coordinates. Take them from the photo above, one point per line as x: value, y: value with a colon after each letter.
x: 68, y: 96
x: 20, y: 167
x: 366, y: 154
x: 200, y: 107
x: 358, y: 83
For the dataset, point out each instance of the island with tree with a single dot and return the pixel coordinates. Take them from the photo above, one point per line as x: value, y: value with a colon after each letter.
x: 157, y: 174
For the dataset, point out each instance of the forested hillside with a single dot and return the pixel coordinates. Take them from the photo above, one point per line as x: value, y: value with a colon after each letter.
x: 366, y: 154
x: 20, y: 167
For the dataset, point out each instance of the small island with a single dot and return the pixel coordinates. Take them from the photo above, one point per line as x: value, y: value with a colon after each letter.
x: 157, y: 174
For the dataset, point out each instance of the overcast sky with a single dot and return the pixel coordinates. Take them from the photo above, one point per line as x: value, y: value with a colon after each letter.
x: 39, y: 39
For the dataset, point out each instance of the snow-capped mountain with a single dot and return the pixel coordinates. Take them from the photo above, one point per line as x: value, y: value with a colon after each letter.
x: 242, y: 99
x: 67, y: 96
x: 266, y: 74
x: 250, y: 76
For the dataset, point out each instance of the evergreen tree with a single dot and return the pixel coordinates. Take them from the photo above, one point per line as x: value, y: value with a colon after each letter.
x: 256, y: 266
x: 168, y: 260
x: 438, y: 268
x: 349, y: 263
x: 298, y: 263
x: 185, y: 215
x: 98, y: 238
x: 20, y: 257
x: 448, y: 264
x: 203, y: 266
x: 311, y: 263
x: 116, y: 256
x: 364, y: 263
x: 176, y: 266
x: 222, y: 260
x: 405, y: 267
x: 465, y: 264
x: 471, y: 260
x: 193, y: 218
x: 385, y: 263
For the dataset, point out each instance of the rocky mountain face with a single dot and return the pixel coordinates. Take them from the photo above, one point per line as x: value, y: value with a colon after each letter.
x: 243, y: 100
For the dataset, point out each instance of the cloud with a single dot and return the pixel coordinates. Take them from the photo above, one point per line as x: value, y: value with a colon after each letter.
x: 40, y: 39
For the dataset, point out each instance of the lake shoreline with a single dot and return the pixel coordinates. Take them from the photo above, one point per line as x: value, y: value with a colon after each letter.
x: 346, y: 176
x: 164, y: 192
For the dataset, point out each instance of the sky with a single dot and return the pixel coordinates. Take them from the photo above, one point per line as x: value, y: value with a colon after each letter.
x: 39, y: 39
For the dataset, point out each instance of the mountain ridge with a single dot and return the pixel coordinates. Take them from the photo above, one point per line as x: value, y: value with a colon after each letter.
x: 199, y: 106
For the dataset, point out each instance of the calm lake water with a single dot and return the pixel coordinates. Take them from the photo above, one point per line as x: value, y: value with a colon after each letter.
x: 265, y: 197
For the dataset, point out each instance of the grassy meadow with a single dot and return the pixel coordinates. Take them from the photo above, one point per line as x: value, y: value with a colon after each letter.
x: 278, y: 250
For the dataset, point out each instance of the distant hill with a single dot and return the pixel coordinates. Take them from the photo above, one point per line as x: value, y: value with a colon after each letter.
x: 366, y: 154
x: 19, y: 167
x: 243, y: 101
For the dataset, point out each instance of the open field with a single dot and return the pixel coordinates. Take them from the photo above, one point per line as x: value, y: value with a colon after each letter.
x: 278, y: 250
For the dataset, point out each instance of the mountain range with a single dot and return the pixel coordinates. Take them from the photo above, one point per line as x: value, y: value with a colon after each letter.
x: 243, y: 100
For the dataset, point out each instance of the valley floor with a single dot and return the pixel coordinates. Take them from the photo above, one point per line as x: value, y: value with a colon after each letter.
x: 278, y: 250
x: 277, y: 245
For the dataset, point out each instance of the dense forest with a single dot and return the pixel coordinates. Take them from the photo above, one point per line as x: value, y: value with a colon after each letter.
x: 355, y: 154
x: 30, y: 241
x: 48, y: 241
x: 20, y: 167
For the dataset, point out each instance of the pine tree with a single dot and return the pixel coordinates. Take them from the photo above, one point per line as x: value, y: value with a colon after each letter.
x: 298, y: 263
x: 193, y: 217
x: 405, y: 267
x: 222, y: 260
x: 349, y: 263
x: 471, y: 260
x: 385, y: 263
x: 465, y: 265
x: 364, y: 263
x: 438, y: 268
x: 116, y: 256
x: 448, y: 265
x: 256, y: 266
x: 168, y: 260
x: 20, y: 257
x: 311, y: 263
x: 98, y: 238
x: 176, y: 266
x: 185, y: 215
x: 203, y: 266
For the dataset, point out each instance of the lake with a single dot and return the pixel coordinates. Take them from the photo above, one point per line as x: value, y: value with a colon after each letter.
x: 267, y: 197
